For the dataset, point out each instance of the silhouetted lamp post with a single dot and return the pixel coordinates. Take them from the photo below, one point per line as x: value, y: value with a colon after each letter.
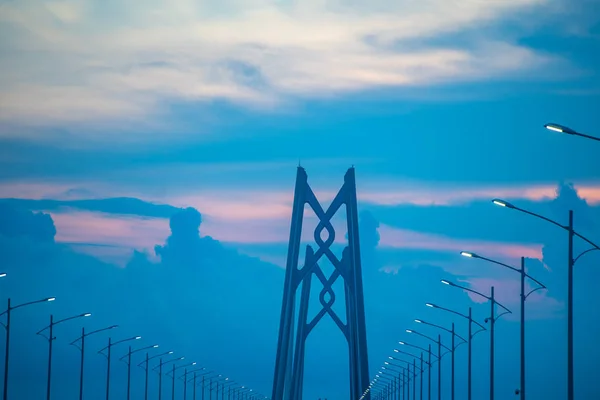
x: 175, y: 368
x: 453, y: 347
x: 108, y: 348
x: 469, y: 344
x: 571, y: 264
x: 82, y: 349
x: 398, y: 381
x: 160, y: 367
x: 50, y: 339
x: 144, y: 366
x: 195, y: 376
x: 128, y: 362
x: 523, y: 296
x: 492, y: 318
x: 185, y: 380
x: 564, y: 129
x: 439, y: 355
x: 7, y: 327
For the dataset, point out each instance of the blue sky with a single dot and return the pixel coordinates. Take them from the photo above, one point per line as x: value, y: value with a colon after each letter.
x: 439, y: 105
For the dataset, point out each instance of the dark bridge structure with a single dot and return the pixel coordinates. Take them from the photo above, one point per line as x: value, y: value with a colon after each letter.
x: 289, y: 365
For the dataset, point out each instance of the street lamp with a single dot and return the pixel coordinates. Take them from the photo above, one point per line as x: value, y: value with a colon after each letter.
x: 563, y: 129
x: 82, y: 349
x: 492, y: 318
x: 185, y: 380
x: 193, y: 379
x: 399, y: 381
x: 51, y: 339
x: 108, y: 348
x: 145, y: 368
x: 469, y: 344
x: 439, y: 355
x: 159, y: 366
x: 128, y: 362
x: 452, y: 346
x: 7, y: 327
x: 571, y: 264
x: 523, y: 296
x: 428, y: 362
x: 175, y: 368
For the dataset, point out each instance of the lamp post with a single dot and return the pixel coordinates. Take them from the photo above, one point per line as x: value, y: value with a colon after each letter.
x: 108, y: 351
x: 452, y: 346
x: 194, y: 378
x: 570, y: 265
x: 82, y: 349
x: 128, y: 362
x: 563, y: 129
x: 6, y: 326
x: 401, y: 378
x: 144, y: 365
x: 175, y: 368
x: 523, y: 297
x: 428, y: 350
x: 50, y: 339
x: 439, y: 355
x: 414, y: 357
x: 469, y: 344
x: 492, y: 318
x: 160, y: 367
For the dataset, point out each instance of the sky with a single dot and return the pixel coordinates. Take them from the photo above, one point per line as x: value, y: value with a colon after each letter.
x: 148, y: 153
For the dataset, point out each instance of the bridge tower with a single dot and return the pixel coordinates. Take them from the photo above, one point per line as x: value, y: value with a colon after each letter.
x: 289, y: 364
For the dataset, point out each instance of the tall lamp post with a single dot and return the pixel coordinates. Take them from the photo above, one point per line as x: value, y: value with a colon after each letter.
x: 523, y: 296
x: 469, y: 344
x: 128, y: 362
x: 185, y: 380
x: 144, y: 366
x: 453, y: 346
x: 51, y: 339
x: 414, y: 357
x: 563, y: 129
x: 175, y: 368
x: 399, y: 380
x: 107, y: 355
x: 160, y: 366
x: 6, y: 326
x: 492, y: 318
x: 438, y: 357
x: 570, y: 265
x: 195, y: 376
x: 82, y: 349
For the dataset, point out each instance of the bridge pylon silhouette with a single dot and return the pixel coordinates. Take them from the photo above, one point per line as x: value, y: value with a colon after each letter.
x: 289, y: 364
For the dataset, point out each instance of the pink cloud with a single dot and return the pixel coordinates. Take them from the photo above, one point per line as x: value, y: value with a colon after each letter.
x: 262, y: 203
x: 106, y: 229
x: 403, y: 238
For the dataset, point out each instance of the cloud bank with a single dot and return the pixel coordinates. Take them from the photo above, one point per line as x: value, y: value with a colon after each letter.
x: 79, y: 61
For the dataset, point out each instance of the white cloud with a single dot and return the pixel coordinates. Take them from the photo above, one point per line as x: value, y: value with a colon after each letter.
x: 88, y: 61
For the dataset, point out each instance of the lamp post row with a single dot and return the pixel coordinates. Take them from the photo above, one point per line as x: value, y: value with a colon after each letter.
x: 80, y: 344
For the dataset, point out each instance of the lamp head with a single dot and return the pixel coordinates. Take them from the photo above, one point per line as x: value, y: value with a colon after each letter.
x: 418, y: 321
x: 402, y: 343
x: 2, y: 275
x: 502, y: 203
x: 409, y: 331
x: 155, y: 346
x: 86, y: 315
x: 51, y: 299
x: 138, y: 337
x: 429, y: 305
x: 468, y: 254
x: 445, y: 282
x: 559, y: 128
